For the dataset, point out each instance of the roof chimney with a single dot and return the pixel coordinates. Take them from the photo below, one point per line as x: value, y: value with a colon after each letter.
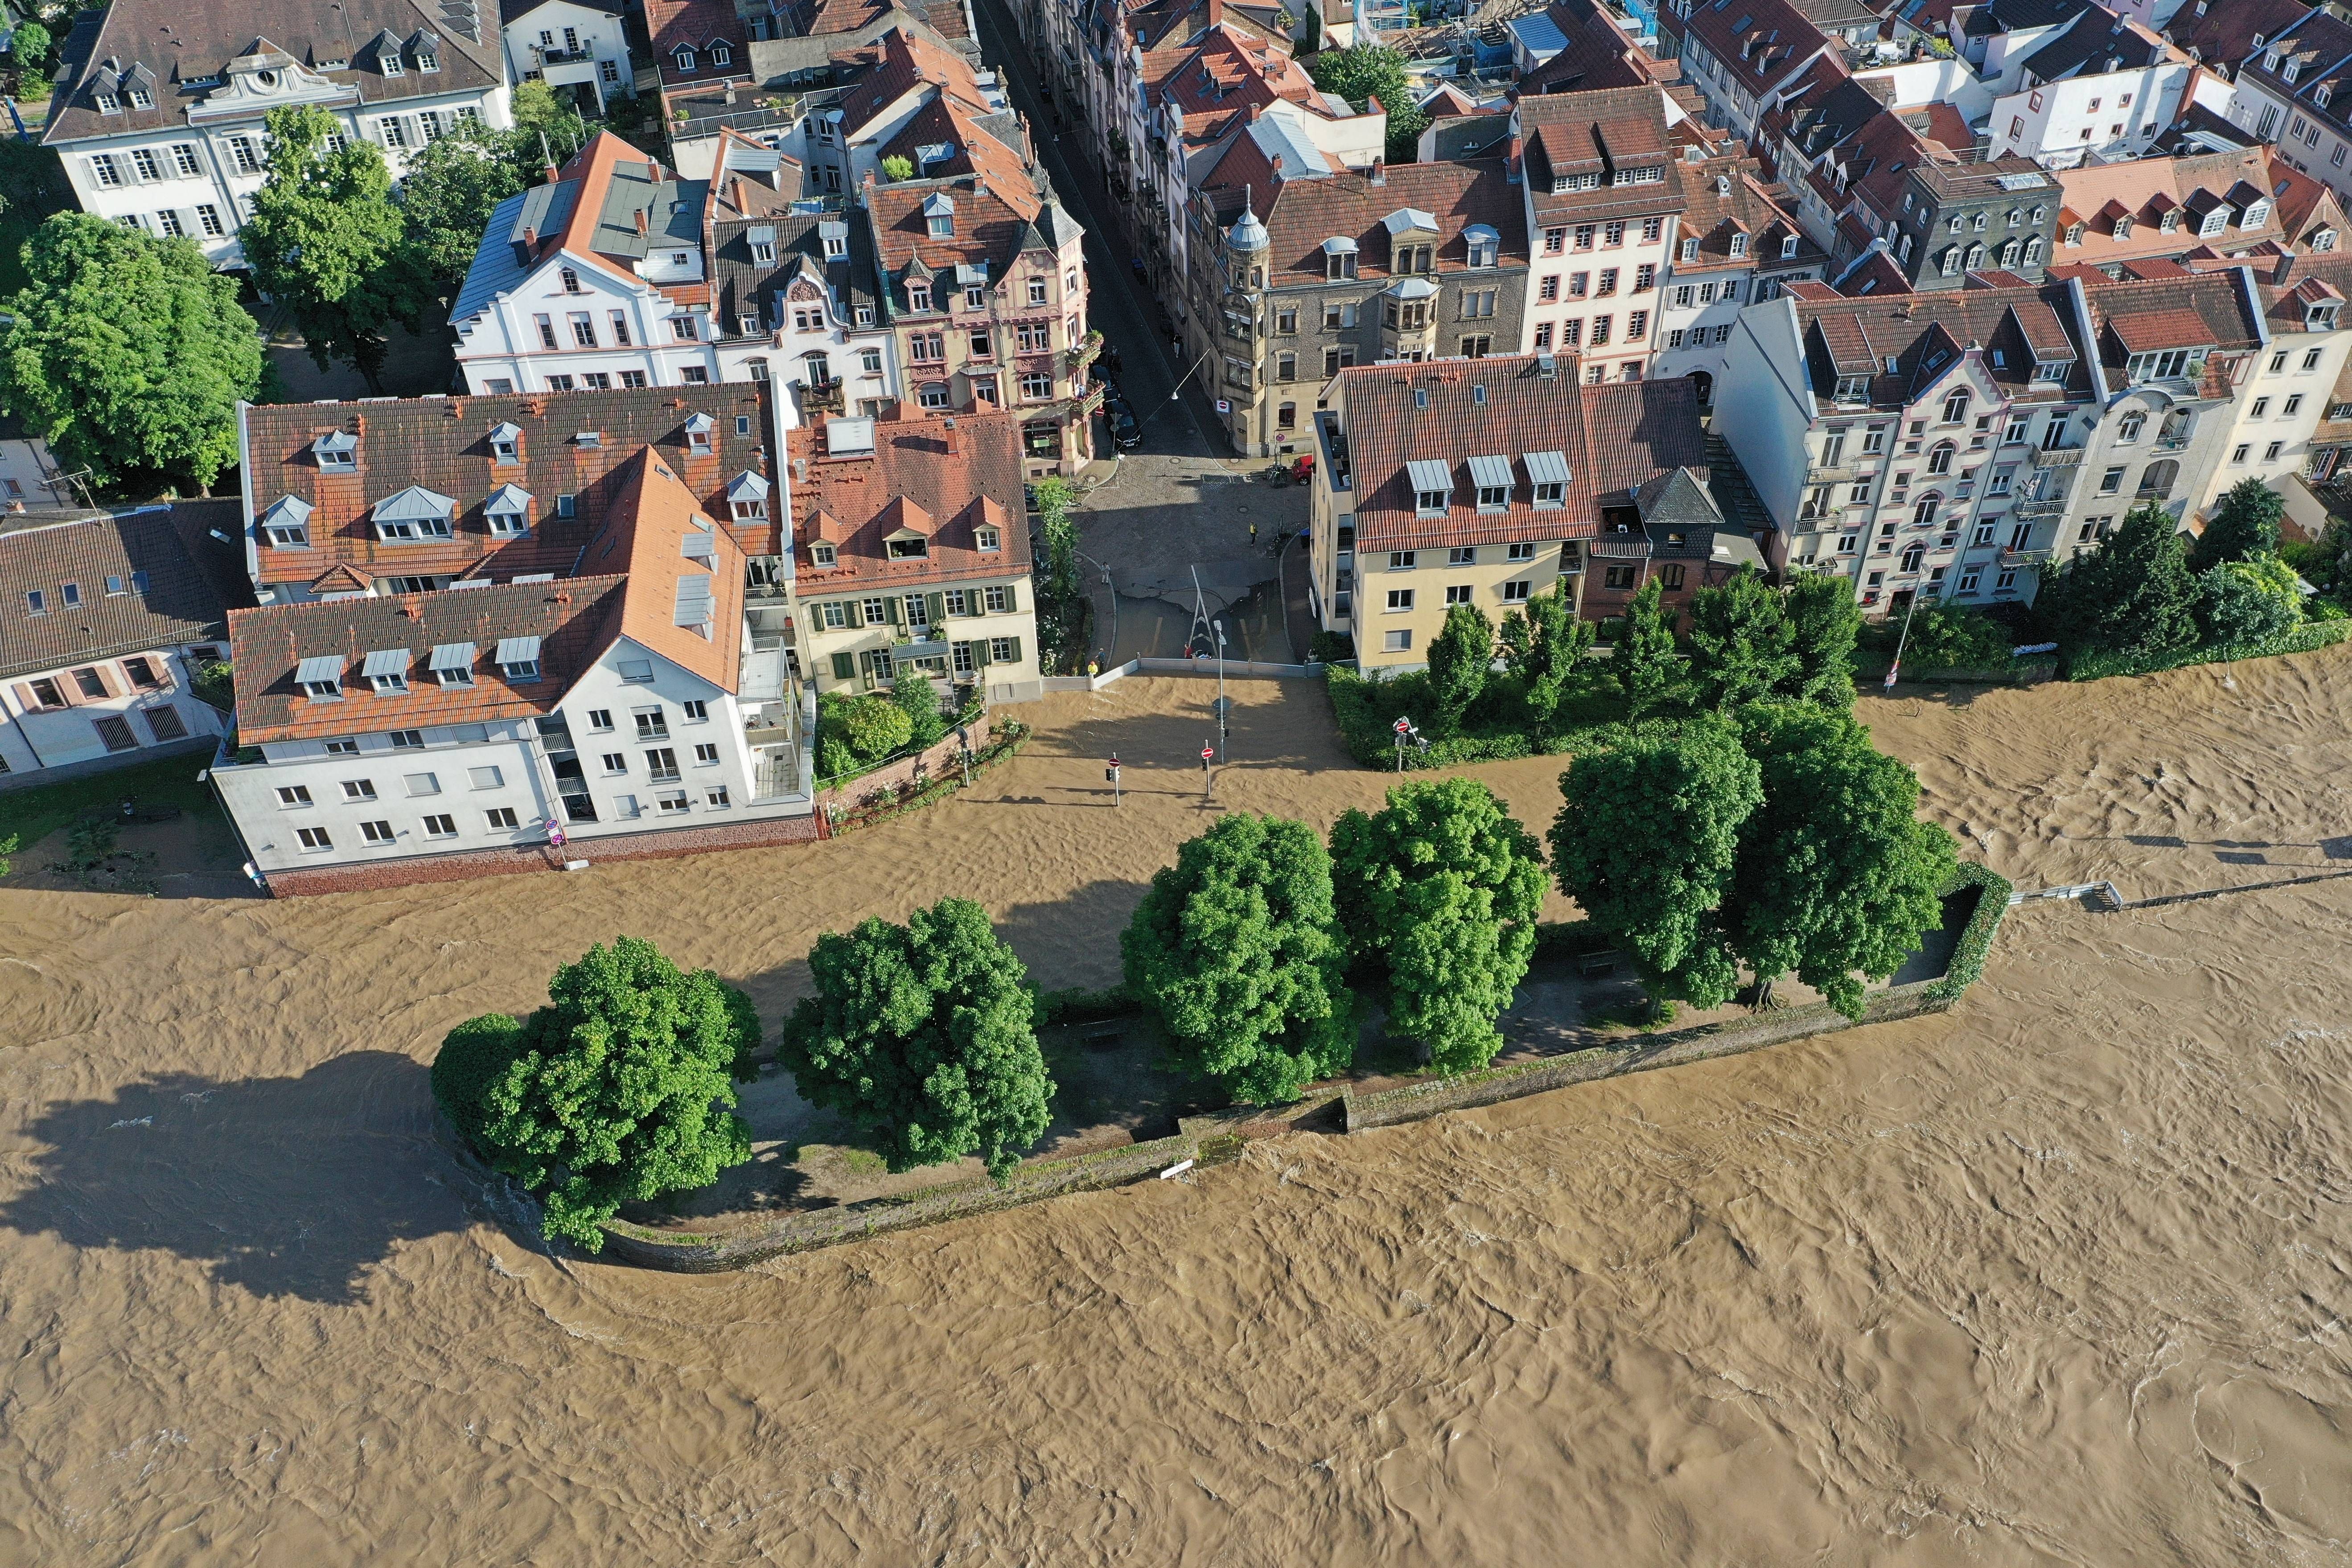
x: 641, y: 221
x: 730, y: 91
x: 1216, y: 12
x: 947, y: 433
x: 1511, y: 159
x: 1379, y: 176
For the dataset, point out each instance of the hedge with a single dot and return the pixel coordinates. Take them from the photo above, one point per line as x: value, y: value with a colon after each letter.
x: 1081, y: 1005
x: 1365, y: 723
x: 2100, y: 664
x: 1967, y: 963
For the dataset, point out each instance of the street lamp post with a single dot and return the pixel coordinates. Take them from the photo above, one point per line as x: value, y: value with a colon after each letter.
x: 1224, y: 712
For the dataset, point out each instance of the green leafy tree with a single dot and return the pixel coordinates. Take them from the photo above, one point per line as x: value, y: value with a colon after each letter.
x: 1061, y: 592
x: 446, y: 197
x: 1513, y: 639
x: 1460, y: 658
x: 2133, y: 594
x: 1237, y: 947
x: 1824, y: 623
x: 30, y: 44
x: 1741, y: 645
x: 1953, y: 637
x: 1836, y: 874
x: 1438, y: 892
x: 894, y: 167
x: 922, y: 1036
x: 620, y: 1089
x: 875, y: 727
x: 128, y: 353
x: 913, y: 694
x: 324, y: 239
x: 2244, y: 525
x: 1647, y: 843
x: 1556, y: 643
x: 2241, y: 602
x: 1644, y: 661
x: 547, y: 131
x: 1369, y: 71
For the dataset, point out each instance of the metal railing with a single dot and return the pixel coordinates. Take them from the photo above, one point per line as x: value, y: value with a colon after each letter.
x: 2056, y: 457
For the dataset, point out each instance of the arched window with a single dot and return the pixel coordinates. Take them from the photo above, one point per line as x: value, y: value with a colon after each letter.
x: 1939, y: 461
x: 2013, y: 218
x: 2157, y: 480
x: 1956, y: 222
x: 2132, y: 425
x: 1956, y: 408
x: 1979, y: 223
x: 571, y: 281
x: 1924, y: 512
x: 1911, y: 557
x: 2039, y: 213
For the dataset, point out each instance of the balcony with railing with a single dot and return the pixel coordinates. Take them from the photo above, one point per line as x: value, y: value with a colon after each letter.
x: 824, y: 398
x: 2057, y: 457
x: 2025, y: 557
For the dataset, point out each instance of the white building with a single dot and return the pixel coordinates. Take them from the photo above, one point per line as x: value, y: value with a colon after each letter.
x: 108, y: 623
x: 1732, y: 246
x: 159, y: 108
x: 578, y: 47
x: 2101, y: 87
x: 482, y: 729
x: 595, y: 279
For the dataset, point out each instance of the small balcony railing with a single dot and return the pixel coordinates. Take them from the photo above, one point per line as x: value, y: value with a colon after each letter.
x: 2057, y: 457
x: 825, y: 399
x: 2024, y: 557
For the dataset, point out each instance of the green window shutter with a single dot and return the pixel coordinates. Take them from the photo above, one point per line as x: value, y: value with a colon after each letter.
x: 979, y: 653
x: 1017, y: 650
x: 897, y: 611
x: 849, y: 612
x: 1012, y: 599
x: 939, y: 606
x: 845, y: 666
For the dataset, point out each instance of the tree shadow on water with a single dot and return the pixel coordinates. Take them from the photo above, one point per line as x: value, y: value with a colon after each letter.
x: 284, y: 1187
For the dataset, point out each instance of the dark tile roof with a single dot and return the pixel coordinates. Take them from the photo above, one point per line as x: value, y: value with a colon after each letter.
x: 1919, y: 335
x: 2098, y: 41
x: 1615, y: 438
x: 1601, y: 133
x: 1600, y: 53
x: 2205, y: 309
x: 177, y: 605
x: 743, y: 285
x: 1724, y: 197
x: 1757, y: 42
x: 701, y: 23
x: 942, y: 478
x: 181, y: 41
x: 1349, y: 206
x: 2317, y: 46
x: 2224, y: 32
x: 575, y: 620
x: 443, y: 444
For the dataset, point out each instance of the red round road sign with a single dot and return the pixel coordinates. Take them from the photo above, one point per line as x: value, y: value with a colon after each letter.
x: 1401, y: 725
x: 1207, y: 752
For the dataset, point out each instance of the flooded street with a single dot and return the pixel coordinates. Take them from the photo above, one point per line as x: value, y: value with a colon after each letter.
x: 2059, y: 1278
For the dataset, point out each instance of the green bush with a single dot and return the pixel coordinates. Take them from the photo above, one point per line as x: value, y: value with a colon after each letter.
x: 216, y: 684
x: 1953, y: 637
x: 474, y: 1056
x: 1331, y: 647
x: 874, y: 726
x: 2099, y: 665
x: 1967, y: 963
x: 2241, y: 602
x: 913, y: 694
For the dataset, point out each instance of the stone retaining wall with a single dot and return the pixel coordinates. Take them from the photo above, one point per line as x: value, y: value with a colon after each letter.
x: 941, y: 759
x: 1494, y: 1084
x: 685, y: 1253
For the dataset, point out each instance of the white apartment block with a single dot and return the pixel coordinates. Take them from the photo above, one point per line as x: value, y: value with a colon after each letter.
x: 578, y: 49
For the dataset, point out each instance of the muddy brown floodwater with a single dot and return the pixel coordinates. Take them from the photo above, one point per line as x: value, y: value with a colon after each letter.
x: 2058, y: 1278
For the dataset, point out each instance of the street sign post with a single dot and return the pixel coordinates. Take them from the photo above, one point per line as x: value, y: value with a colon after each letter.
x: 1207, y: 752
x: 1112, y: 773
x: 1404, y: 728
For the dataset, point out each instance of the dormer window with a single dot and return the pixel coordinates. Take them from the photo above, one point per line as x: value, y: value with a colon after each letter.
x: 2322, y: 239
x: 2049, y: 371
x: 919, y: 296
x: 987, y: 540
x: 506, y: 448
x: 518, y: 659
x: 1738, y: 244
x: 2293, y: 69
x: 2255, y: 215
x: 453, y: 664
x: 836, y: 247
x: 2215, y: 222
x: 685, y: 57
x: 588, y: 438
x: 290, y: 536
x: 720, y: 55
x: 2165, y: 363
x: 321, y: 677
x: 427, y: 61
x: 912, y: 548
x: 2124, y: 227
x: 508, y: 524
x: 338, y: 452
x: 390, y: 62
x: 1852, y: 389
x: 2170, y: 222
x: 139, y: 99
x: 387, y: 671
x: 764, y: 252
x: 1482, y: 244
x: 2321, y: 317
x: 1690, y: 249
x: 698, y: 434
x: 107, y: 103
x: 1788, y: 247
x: 2075, y: 233
x: 824, y: 555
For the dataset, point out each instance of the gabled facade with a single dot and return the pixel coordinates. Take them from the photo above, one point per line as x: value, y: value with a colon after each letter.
x: 1733, y: 246
x: 983, y: 290
x: 2290, y: 93
x: 508, y: 728
x: 157, y: 117
x: 596, y: 279
x: 2209, y: 205
x: 105, y: 624
x: 1485, y: 483
x: 905, y: 556
x: 579, y: 48
x: 1415, y: 262
x: 2100, y: 86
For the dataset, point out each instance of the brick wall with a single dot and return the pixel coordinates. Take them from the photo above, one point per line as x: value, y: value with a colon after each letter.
x: 938, y: 761
x: 664, y: 844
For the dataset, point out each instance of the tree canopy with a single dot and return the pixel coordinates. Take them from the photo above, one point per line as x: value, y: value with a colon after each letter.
x: 1237, y: 948
x: 923, y: 1036
x: 1556, y: 644
x: 1460, y: 658
x: 2244, y: 525
x: 1647, y: 843
x: 1643, y: 660
x: 128, y: 353
x: 2241, y: 602
x: 619, y: 1090
x: 1836, y: 874
x: 913, y: 694
x: 2132, y: 594
x: 1438, y: 892
x: 323, y: 238
x: 1369, y: 71
x: 1824, y: 623
x: 446, y: 197
x: 1741, y: 645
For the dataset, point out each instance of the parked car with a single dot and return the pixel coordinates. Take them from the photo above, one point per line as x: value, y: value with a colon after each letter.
x: 1126, y: 430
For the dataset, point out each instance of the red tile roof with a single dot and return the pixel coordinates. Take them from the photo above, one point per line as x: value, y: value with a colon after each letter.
x: 1349, y: 206
x: 943, y: 479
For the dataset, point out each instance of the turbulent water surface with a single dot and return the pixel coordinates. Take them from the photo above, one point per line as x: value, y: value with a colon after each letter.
x: 2059, y: 1278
